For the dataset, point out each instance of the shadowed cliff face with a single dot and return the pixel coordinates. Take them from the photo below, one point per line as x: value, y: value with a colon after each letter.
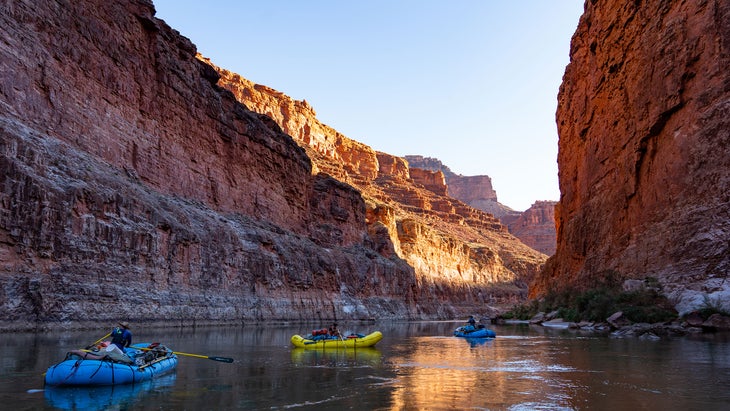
x: 644, y: 150
x: 134, y: 186
x: 535, y: 226
x: 450, y: 245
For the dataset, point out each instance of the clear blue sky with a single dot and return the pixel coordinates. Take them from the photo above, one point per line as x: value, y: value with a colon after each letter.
x: 473, y: 83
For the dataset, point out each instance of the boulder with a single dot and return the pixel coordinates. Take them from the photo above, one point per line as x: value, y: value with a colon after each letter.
x: 717, y: 322
x: 618, y: 320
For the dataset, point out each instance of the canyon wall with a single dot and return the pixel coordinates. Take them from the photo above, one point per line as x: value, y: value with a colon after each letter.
x: 135, y: 186
x: 409, y: 212
x: 535, y: 226
x: 475, y: 191
x: 644, y: 150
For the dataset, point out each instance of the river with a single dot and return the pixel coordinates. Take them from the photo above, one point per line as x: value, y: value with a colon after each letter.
x: 417, y: 366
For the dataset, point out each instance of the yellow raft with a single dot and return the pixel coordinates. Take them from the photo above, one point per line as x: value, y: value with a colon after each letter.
x: 366, y: 341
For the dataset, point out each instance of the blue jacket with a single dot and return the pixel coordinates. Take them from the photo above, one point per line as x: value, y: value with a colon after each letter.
x: 121, y: 337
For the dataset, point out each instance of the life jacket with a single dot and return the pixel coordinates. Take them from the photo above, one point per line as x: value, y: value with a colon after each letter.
x: 322, y: 331
x: 118, y: 337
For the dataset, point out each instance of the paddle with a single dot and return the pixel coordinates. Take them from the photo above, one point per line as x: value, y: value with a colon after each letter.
x: 341, y: 338
x: 208, y: 357
x: 98, y: 341
x: 334, y: 329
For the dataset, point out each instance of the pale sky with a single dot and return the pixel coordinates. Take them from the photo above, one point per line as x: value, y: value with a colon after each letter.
x: 473, y: 83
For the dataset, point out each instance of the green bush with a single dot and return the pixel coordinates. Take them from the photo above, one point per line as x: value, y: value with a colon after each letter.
x: 569, y: 314
x: 597, y: 304
x: 710, y: 306
x: 522, y: 312
x: 554, y: 301
x: 648, y: 314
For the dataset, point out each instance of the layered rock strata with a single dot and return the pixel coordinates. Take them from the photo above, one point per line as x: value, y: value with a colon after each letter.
x: 475, y: 191
x: 134, y: 186
x: 535, y: 226
x: 644, y: 150
x: 410, y: 213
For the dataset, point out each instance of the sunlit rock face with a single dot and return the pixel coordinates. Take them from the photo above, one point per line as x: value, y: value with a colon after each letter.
x: 535, y: 227
x: 644, y: 150
x: 134, y: 186
x: 462, y: 254
x: 346, y: 159
x: 433, y: 181
x: 475, y: 191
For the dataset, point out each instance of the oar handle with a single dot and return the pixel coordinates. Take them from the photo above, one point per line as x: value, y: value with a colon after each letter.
x: 190, y: 355
x: 98, y: 341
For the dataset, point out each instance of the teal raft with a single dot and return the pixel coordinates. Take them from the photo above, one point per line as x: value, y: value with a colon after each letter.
x: 140, y: 362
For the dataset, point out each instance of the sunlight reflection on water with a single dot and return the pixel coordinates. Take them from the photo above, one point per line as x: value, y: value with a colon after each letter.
x: 416, y: 366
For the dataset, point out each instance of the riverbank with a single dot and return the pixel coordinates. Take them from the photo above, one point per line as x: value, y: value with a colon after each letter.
x: 617, y: 325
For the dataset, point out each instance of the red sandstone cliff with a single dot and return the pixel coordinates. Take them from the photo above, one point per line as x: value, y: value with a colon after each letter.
x: 535, y: 226
x: 133, y: 185
x: 644, y: 150
x: 475, y: 191
x: 410, y: 215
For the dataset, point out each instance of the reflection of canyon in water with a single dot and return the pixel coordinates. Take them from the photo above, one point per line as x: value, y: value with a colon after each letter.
x: 450, y: 373
x: 417, y: 366
x: 530, y: 368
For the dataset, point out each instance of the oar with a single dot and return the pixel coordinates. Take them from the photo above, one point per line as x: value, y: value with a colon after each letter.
x: 208, y: 357
x: 98, y: 341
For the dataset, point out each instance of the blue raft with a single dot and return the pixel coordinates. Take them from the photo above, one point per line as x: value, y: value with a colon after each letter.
x: 142, y: 362
x: 469, y: 331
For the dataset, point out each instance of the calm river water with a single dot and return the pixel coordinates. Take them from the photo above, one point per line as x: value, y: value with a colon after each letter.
x: 417, y: 366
